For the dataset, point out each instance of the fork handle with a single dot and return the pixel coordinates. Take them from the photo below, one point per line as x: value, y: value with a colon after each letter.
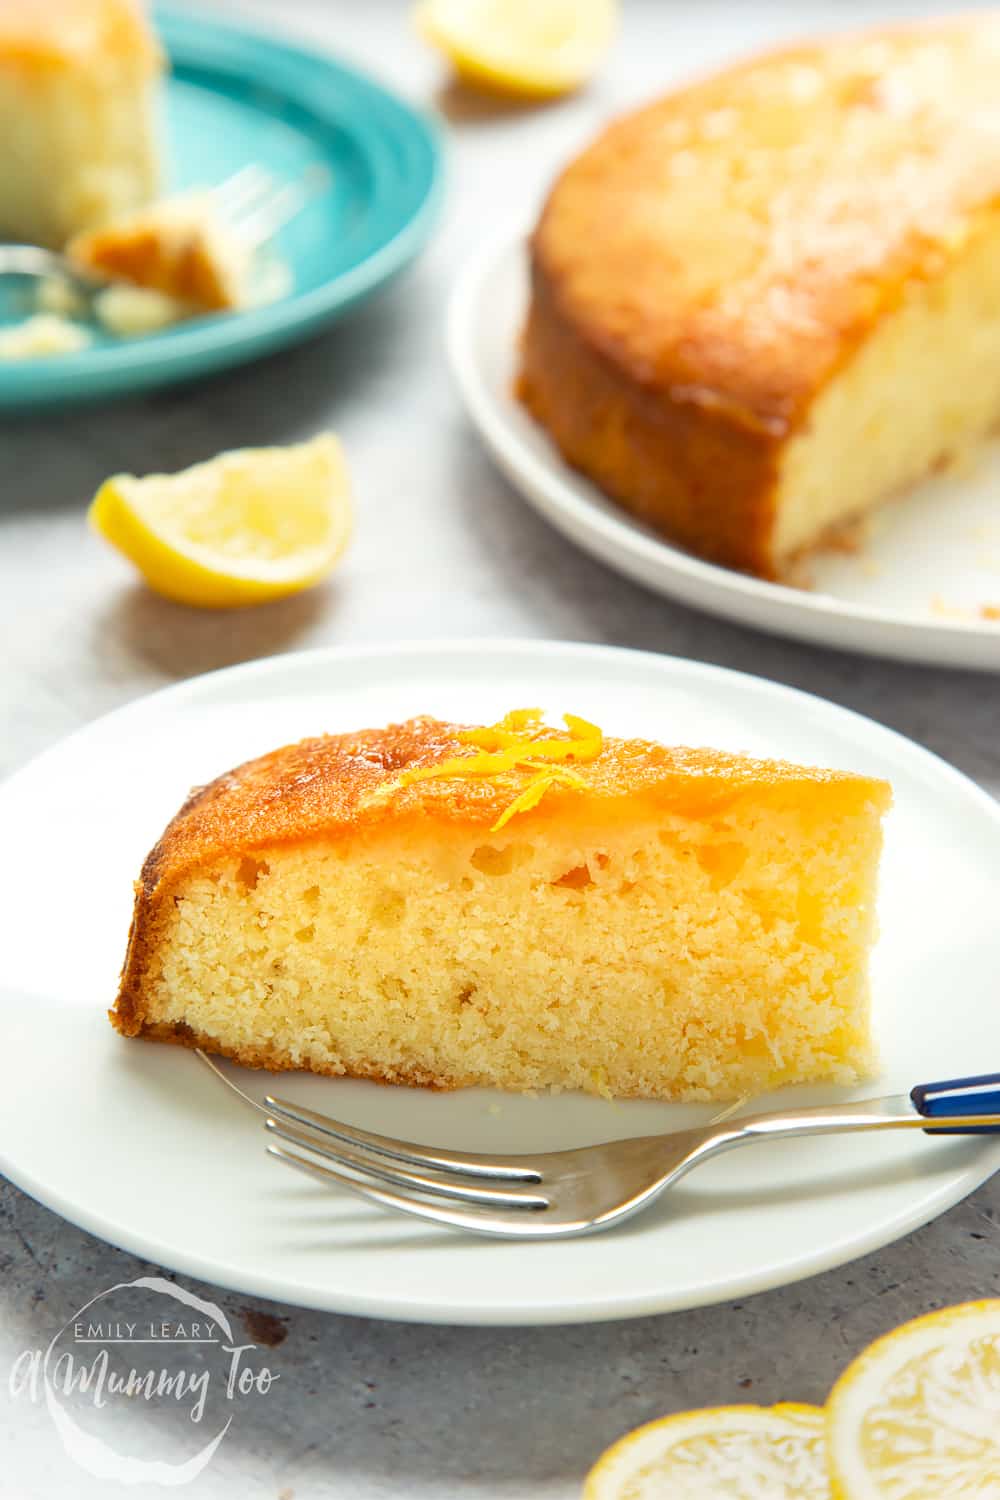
x: 960, y: 1096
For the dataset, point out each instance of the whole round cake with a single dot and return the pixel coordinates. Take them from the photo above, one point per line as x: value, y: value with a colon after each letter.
x: 771, y: 300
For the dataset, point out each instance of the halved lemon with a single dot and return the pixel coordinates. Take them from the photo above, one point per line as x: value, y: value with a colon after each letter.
x: 720, y: 1453
x: 534, y: 47
x: 245, y: 527
x: 917, y: 1415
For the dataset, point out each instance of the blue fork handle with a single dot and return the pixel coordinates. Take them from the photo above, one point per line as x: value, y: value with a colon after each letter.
x: 960, y: 1096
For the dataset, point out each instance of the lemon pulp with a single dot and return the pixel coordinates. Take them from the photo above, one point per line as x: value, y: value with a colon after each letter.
x: 532, y: 47
x: 248, y: 526
x: 917, y: 1415
x: 721, y: 1453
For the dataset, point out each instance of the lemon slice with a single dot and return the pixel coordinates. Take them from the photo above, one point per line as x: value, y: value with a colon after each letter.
x: 533, y: 47
x: 917, y: 1416
x: 725, y: 1453
x: 248, y: 526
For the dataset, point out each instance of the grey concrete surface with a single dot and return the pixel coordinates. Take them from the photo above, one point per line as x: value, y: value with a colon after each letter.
x: 366, y: 1410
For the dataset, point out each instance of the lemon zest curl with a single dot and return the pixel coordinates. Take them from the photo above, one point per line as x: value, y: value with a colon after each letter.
x: 518, y: 742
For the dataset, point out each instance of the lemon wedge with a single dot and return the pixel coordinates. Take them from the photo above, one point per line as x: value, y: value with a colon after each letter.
x: 245, y: 527
x: 721, y: 1453
x: 531, y: 47
x: 917, y: 1415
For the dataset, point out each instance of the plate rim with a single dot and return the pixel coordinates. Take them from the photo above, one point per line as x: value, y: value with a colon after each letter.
x: 602, y: 1307
x: 623, y: 544
x: 206, y: 345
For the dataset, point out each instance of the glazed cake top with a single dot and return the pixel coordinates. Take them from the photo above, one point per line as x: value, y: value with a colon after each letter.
x: 732, y: 242
x: 439, y: 776
x: 61, y: 33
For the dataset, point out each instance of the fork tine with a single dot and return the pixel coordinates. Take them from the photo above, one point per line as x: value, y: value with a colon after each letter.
x: 418, y: 1182
x: 261, y: 223
x: 496, y: 1168
x: 242, y: 189
x: 464, y: 1163
x: 478, y: 1220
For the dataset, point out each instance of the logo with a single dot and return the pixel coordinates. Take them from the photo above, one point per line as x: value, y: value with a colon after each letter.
x: 146, y: 1340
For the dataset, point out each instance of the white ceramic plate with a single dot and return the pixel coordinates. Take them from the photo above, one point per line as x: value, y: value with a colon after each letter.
x: 914, y: 590
x: 137, y: 1143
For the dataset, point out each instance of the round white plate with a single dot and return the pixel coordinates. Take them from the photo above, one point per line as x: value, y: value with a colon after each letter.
x: 915, y: 589
x: 139, y: 1144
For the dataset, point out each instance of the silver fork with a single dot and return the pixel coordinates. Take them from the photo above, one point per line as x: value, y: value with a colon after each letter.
x: 253, y: 205
x: 560, y: 1193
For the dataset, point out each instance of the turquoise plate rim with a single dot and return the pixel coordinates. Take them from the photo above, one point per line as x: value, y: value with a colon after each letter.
x: 204, y: 346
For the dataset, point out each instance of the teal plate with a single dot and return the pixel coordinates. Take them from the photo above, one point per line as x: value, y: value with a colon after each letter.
x: 237, y: 96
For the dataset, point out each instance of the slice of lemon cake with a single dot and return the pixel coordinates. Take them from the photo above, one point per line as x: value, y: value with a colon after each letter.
x: 78, y: 103
x: 515, y: 907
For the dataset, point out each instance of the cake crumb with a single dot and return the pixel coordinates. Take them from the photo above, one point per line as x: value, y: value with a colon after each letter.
x: 599, y: 1079
x: 42, y: 335
x: 960, y: 462
x: 849, y: 538
x: 797, y: 575
x: 131, y: 311
x: 940, y: 606
x: 58, y: 295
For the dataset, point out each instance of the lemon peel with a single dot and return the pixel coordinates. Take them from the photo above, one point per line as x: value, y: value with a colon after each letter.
x: 517, y: 742
x: 746, y: 1452
x: 245, y: 527
x: 918, y: 1412
x: 534, y: 792
x: 531, y: 48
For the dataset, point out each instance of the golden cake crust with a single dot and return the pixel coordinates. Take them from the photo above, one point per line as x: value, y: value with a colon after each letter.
x: 337, y: 786
x: 273, y: 1059
x: 63, y: 33
x: 704, y: 269
x: 178, y: 263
